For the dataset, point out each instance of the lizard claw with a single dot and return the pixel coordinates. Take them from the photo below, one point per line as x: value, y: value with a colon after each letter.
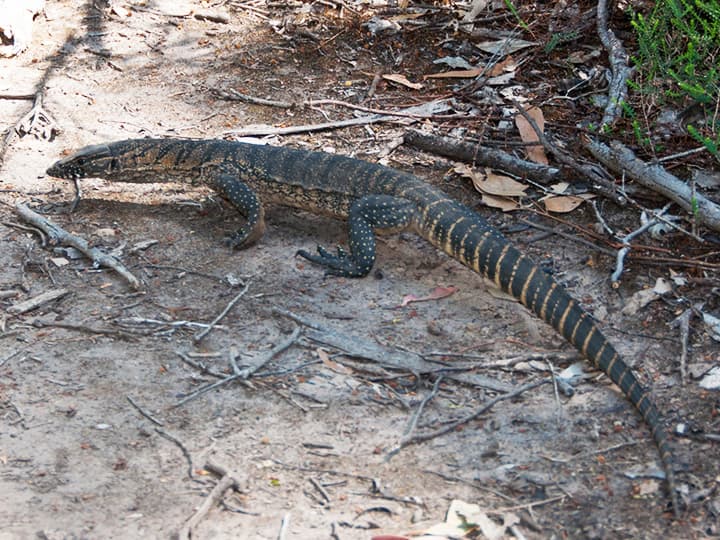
x: 238, y: 239
x: 335, y: 265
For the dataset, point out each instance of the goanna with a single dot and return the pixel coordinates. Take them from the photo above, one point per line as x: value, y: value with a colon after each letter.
x: 373, y: 199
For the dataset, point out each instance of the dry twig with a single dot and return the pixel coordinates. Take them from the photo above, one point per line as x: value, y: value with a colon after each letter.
x: 621, y: 159
x: 623, y: 251
x: 481, y: 156
x: 227, y: 481
x: 410, y: 114
x: 618, y: 64
x: 36, y: 301
x: 59, y: 235
x: 683, y: 322
x: 412, y: 425
x: 144, y: 412
x: 182, y: 448
x: 422, y: 437
x: 200, y: 335
x: 243, y: 374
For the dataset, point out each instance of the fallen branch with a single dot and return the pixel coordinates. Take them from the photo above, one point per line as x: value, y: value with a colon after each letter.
x: 200, y: 335
x: 182, y: 448
x: 243, y: 374
x: 144, y: 412
x: 58, y: 235
x: 227, y: 481
x: 482, y: 156
x: 36, y: 301
x: 622, y: 160
x: 623, y: 251
x: 411, y: 114
x: 618, y: 65
x: 387, y: 357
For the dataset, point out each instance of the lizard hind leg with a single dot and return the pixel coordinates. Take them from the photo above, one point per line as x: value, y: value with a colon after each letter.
x: 367, y: 215
x: 242, y: 197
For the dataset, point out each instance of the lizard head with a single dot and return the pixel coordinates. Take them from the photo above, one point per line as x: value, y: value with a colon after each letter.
x: 97, y: 161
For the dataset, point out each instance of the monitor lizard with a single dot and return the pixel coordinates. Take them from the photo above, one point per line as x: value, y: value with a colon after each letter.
x: 373, y: 199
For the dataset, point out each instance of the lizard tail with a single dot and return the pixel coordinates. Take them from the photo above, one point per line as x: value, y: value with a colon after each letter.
x: 469, y: 239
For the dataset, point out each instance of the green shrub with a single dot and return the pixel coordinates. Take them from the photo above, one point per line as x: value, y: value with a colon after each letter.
x: 679, y: 51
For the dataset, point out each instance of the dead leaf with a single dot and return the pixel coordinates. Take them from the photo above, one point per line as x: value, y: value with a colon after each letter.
x: 495, y: 188
x: 455, y: 74
x: 330, y: 364
x: 712, y: 324
x: 515, y: 92
x: 643, y: 297
x: 506, y: 65
x: 478, y: 6
x: 119, y: 10
x: 561, y: 204
x: 322, y: 355
x: 462, y: 517
x: 528, y: 135
x: 454, y: 62
x: 403, y: 80
x: 492, y: 183
x: 501, y: 80
x: 503, y: 203
x: 499, y: 185
x: 645, y: 488
x: 436, y: 294
x: 711, y: 381
x: 463, y: 169
x: 408, y: 16
x: 504, y: 46
x: 559, y: 188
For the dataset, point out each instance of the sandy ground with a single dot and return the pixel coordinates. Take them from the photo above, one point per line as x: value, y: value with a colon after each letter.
x: 308, y: 438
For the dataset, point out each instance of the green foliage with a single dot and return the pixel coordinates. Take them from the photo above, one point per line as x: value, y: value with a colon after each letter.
x: 514, y: 11
x: 710, y: 144
x: 642, y: 138
x: 679, y: 41
x: 679, y: 52
x: 559, y: 38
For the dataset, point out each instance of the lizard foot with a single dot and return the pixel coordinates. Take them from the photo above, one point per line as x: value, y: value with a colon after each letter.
x: 237, y: 240
x: 341, y: 265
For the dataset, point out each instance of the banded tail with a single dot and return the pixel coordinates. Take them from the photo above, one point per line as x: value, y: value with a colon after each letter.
x: 466, y: 237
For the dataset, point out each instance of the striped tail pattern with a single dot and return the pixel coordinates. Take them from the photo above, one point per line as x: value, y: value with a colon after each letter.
x: 466, y: 237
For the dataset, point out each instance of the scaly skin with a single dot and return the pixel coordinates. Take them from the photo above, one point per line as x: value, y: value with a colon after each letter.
x: 373, y: 199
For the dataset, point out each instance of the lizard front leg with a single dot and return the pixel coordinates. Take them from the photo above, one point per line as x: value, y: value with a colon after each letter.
x: 367, y: 215
x: 246, y: 201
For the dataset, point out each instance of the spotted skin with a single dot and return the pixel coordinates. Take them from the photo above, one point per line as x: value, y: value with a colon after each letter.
x: 373, y: 199
x: 371, y: 213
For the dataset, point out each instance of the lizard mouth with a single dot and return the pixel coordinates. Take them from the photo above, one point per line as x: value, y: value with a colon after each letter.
x: 59, y: 172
